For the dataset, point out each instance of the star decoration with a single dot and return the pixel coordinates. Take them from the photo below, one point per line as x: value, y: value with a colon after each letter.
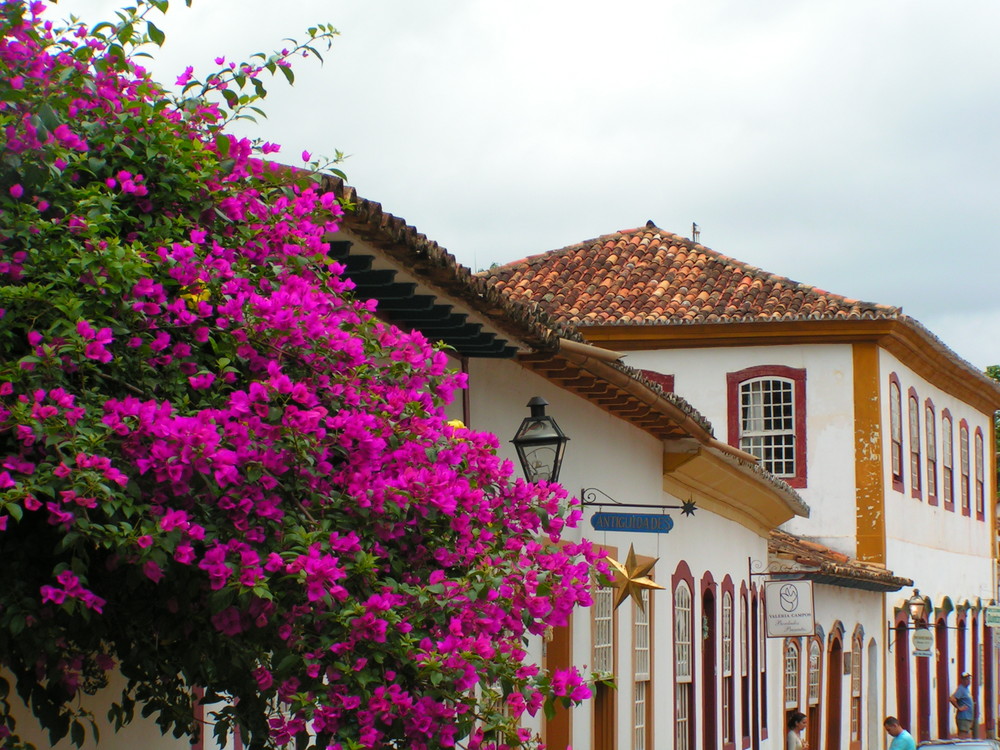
x: 631, y: 578
x: 688, y: 508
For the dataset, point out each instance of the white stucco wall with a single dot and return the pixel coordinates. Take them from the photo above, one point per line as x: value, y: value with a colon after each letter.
x: 945, y: 552
x: 626, y: 463
x: 700, y: 377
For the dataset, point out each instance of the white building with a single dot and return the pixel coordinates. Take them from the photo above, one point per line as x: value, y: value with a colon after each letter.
x: 885, y: 433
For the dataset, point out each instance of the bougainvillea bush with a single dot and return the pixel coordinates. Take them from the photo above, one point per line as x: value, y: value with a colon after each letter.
x: 219, y: 471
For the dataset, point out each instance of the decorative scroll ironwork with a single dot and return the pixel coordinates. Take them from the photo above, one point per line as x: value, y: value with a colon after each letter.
x: 777, y: 568
x: 591, y: 497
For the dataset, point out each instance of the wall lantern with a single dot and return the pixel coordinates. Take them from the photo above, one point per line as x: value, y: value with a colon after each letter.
x: 540, y: 444
x: 917, y: 607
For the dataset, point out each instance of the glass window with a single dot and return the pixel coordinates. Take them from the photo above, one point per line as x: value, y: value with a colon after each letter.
x: 930, y: 425
x: 947, y: 463
x: 980, y: 483
x: 914, y: 411
x: 896, y: 431
x: 682, y: 666
x: 963, y: 447
x: 767, y: 424
x: 791, y: 674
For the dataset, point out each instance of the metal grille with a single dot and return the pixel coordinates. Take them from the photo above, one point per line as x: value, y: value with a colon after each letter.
x: 604, y: 633
x: 767, y: 424
x: 791, y: 675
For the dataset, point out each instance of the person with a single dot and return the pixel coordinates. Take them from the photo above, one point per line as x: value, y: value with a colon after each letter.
x: 902, y: 740
x: 796, y: 723
x: 961, y: 699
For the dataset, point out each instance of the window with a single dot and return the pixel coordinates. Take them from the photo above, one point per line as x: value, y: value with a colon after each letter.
x: 963, y: 452
x: 930, y: 426
x: 744, y: 671
x: 604, y: 631
x: 604, y: 644
x: 815, y: 662
x: 980, y: 484
x: 791, y: 675
x: 683, y: 668
x: 641, y: 674
x: 896, y: 433
x: 728, y: 694
x: 914, y: 414
x: 856, y: 689
x: 947, y: 461
x: 767, y: 418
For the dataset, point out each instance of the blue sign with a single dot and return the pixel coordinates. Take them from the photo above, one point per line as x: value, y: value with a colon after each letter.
x: 649, y: 523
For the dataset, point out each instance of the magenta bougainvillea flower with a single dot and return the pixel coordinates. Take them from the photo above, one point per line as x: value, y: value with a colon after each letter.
x: 220, y: 473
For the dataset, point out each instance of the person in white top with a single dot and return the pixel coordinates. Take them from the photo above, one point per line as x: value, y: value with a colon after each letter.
x: 796, y: 723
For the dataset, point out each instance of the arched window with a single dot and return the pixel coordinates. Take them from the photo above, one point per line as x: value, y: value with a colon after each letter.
x: 683, y: 667
x: 856, y: 688
x: 767, y: 418
x: 813, y: 691
x: 744, y: 669
x: 980, y: 478
x: 947, y: 461
x: 791, y: 675
x: 914, y: 415
x: 728, y: 694
x: 641, y: 674
x: 930, y: 426
x: 963, y: 449
x: 896, y: 432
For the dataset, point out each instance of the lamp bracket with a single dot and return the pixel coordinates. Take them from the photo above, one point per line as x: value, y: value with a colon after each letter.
x: 591, y: 497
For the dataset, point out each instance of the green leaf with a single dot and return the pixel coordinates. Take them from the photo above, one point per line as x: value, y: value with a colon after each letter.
x: 222, y: 144
x: 155, y: 34
x: 287, y: 71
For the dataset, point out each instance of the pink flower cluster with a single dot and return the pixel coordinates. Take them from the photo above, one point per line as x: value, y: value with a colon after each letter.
x: 243, y: 439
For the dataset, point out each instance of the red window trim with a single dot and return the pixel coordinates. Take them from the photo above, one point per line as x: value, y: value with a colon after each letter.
x: 950, y: 435
x: 798, y: 377
x: 916, y: 483
x: 932, y: 493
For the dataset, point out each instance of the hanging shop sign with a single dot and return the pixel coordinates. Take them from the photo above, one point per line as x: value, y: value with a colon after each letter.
x: 789, y: 608
x: 648, y: 523
x: 923, y: 642
x: 992, y: 617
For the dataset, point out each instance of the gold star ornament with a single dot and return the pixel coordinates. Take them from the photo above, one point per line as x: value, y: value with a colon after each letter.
x: 631, y: 578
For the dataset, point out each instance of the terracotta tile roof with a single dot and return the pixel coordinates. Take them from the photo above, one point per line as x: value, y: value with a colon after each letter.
x: 792, y: 555
x: 649, y: 276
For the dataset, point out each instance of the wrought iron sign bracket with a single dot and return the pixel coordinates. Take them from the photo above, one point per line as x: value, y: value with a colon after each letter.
x: 777, y: 568
x: 591, y: 497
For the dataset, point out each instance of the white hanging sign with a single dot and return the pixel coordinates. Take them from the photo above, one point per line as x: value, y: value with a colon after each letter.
x: 789, y: 608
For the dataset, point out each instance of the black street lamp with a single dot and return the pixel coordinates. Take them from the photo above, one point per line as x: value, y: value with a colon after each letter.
x: 917, y: 607
x: 540, y: 444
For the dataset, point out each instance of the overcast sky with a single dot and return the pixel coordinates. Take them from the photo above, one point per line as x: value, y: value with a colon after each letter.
x: 852, y: 145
